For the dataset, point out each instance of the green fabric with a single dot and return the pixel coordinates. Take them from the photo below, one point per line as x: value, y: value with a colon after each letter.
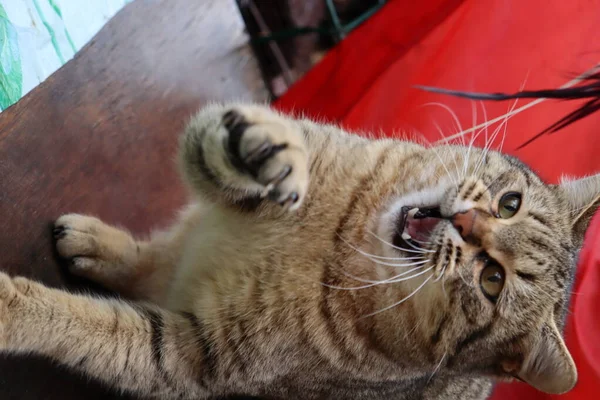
x: 39, y: 36
x: 11, y: 76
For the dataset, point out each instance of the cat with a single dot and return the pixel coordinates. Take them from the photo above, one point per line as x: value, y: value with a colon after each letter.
x: 316, y: 264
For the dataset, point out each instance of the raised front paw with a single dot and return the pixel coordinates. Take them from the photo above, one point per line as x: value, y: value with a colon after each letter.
x: 271, y: 150
x: 95, y: 250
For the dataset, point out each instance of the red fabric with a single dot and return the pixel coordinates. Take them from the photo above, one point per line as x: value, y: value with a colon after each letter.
x: 366, y: 84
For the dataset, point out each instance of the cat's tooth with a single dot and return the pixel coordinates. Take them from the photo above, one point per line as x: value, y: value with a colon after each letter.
x: 267, y: 190
x: 412, y: 212
x: 406, y: 236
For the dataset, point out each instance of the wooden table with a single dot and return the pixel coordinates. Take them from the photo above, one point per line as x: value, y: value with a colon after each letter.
x: 99, y: 137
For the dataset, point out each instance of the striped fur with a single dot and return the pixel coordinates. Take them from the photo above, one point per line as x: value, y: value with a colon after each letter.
x: 273, y: 281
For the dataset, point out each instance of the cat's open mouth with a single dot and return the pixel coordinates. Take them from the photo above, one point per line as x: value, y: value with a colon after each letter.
x: 415, y: 226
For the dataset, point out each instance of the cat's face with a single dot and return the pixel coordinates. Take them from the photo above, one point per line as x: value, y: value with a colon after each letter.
x: 488, y: 253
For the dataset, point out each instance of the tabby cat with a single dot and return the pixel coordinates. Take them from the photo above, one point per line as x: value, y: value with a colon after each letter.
x: 315, y: 264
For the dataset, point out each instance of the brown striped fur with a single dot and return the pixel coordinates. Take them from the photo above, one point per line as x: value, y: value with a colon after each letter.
x: 243, y: 295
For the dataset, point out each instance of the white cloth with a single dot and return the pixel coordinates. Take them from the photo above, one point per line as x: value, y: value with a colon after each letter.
x: 38, y: 36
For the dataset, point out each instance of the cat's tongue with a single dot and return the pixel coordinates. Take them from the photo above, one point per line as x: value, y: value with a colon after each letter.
x: 420, y: 229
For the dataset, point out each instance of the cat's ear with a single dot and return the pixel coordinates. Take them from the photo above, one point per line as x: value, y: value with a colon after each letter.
x: 548, y: 366
x: 583, y: 196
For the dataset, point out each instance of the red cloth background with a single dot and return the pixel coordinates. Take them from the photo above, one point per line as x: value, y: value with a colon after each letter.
x: 366, y: 84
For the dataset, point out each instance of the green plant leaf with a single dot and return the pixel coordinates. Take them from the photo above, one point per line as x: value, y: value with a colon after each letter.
x: 11, y: 75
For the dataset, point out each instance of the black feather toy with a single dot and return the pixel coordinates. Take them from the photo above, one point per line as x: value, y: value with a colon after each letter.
x: 587, y: 88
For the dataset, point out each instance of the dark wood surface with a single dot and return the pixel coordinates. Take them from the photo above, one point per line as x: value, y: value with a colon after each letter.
x: 99, y: 137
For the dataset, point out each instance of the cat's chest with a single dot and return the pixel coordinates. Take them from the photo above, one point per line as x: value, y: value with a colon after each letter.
x: 229, y: 253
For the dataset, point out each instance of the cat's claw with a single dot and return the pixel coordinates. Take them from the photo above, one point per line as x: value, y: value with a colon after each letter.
x: 92, y: 248
x: 269, y: 150
x: 59, y: 232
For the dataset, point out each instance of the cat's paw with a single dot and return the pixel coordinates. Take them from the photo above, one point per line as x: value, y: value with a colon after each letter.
x: 95, y: 250
x: 271, y: 150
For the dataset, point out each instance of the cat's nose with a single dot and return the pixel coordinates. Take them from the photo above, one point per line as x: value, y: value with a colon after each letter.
x: 469, y: 224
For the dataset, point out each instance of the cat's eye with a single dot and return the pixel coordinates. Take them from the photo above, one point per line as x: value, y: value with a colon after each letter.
x: 491, y: 280
x: 509, y: 205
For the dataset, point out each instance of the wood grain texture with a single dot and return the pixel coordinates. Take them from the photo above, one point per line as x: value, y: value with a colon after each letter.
x: 99, y: 137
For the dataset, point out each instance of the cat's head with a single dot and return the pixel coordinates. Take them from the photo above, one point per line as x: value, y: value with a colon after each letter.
x: 499, y: 248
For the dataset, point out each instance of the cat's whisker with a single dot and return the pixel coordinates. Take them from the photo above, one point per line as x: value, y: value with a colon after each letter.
x: 423, y: 251
x: 438, y: 366
x: 450, y: 111
x: 372, y: 283
x: 454, y: 181
x: 524, y: 107
x: 444, y: 284
x: 550, y: 296
x: 512, y: 109
x: 487, y: 145
x: 400, y: 265
x: 485, y: 118
x: 401, y: 301
x: 486, y: 125
x: 396, y: 278
x: 471, y: 142
x: 478, y: 132
x: 503, y: 119
x: 503, y: 126
x: 466, y: 155
x: 366, y: 254
x: 415, y: 327
x: 441, y: 132
x: 435, y: 151
x: 453, y: 115
x: 486, y: 148
x: 468, y: 152
x: 462, y: 277
x: 504, y: 131
x: 414, y: 246
x: 490, y: 122
x: 441, y: 273
x: 390, y: 258
x: 457, y: 124
x: 402, y: 277
x: 575, y: 210
x: 334, y: 287
x: 463, y: 140
x: 421, y: 241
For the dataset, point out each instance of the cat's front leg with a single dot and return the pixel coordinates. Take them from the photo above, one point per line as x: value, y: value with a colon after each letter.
x: 138, y: 349
x: 245, y: 154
